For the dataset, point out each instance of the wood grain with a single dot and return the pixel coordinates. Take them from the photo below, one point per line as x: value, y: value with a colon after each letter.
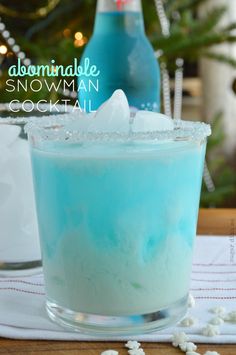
x: 217, y: 222
x: 22, y: 347
x: 211, y: 222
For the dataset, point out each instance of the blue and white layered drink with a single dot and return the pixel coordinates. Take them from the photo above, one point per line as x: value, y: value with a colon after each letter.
x: 117, y: 202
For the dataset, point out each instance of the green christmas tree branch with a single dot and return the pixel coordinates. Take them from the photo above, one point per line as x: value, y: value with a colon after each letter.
x: 220, y: 58
x: 182, y: 5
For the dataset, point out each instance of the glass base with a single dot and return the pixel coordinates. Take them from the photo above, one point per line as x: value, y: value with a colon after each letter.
x: 23, y: 268
x: 110, y: 326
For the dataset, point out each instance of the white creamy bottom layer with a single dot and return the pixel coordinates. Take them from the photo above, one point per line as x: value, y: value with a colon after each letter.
x: 124, y: 280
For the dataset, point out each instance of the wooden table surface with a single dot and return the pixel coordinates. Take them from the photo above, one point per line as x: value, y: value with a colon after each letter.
x: 211, y: 222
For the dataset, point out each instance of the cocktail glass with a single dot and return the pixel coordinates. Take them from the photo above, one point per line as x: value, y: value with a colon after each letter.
x: 117, y: 219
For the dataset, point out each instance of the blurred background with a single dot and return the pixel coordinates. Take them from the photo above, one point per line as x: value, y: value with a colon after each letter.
x: 203, y: 33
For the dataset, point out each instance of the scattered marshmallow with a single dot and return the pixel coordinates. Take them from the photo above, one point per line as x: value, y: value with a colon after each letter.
x: 211, y: 353
x: 132, y: 344
x: 188, y: 347
x: 220, y: 311
x: 226, y: 317
x: 216, y: 321
x: 192, y: 353
x: 139, y: 351
x: 230, y: 317
x: 110, y: 352
x: 211, y: 330
x: 191, y: 301
x: 188, y: 322
x: 179, y: 338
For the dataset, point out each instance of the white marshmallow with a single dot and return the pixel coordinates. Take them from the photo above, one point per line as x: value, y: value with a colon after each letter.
x: 179, y: 338
x: 191, y: 301
x: 211, y: 330
x: 216, y: 321
x: 110, y: 352
x: 230, y: 317
x: 132, y: 344
x: 188, y: 322
x: 220, y: 311
x: 139, y: 351
x: 188, y: 346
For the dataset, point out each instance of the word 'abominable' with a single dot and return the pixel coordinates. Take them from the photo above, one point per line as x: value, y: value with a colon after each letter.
x: 85, y: 69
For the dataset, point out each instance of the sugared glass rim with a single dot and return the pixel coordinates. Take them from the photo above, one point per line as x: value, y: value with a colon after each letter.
x: 14, y: 118
x: 56, y: 128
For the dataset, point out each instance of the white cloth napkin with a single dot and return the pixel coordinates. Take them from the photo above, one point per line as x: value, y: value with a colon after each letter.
x: 22, y: 313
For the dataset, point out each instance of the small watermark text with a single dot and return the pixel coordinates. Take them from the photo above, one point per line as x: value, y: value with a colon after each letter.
x: 232, y: 242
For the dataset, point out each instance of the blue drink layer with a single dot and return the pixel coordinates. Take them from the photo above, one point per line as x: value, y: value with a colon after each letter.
x: 125, y: 58
x: 117, y: 223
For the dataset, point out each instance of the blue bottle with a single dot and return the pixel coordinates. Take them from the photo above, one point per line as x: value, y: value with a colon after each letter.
x: 123, y: 55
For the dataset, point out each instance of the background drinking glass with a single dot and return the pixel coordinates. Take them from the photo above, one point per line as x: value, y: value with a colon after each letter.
x: 19, y: 243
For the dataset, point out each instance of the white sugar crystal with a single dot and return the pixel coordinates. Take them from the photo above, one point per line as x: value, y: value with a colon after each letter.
x: 191, y: 301
x: 220, y: 311
x: 110, y: 352
x: 139, y: 351
x: 211, y: 330
x: 211, y: 353
x: 192, y: 353
x: 179, y: 338
x: 216, y: 321
x: 132, y: 344
x: 147, y: 121
x: 112, y: 116
x: 188, y: 346
x: 188, y: 322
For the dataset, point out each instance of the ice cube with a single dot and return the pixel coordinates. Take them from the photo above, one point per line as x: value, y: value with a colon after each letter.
x: 8, y: 134
x: 113, y: 115
x: 147, y: 121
